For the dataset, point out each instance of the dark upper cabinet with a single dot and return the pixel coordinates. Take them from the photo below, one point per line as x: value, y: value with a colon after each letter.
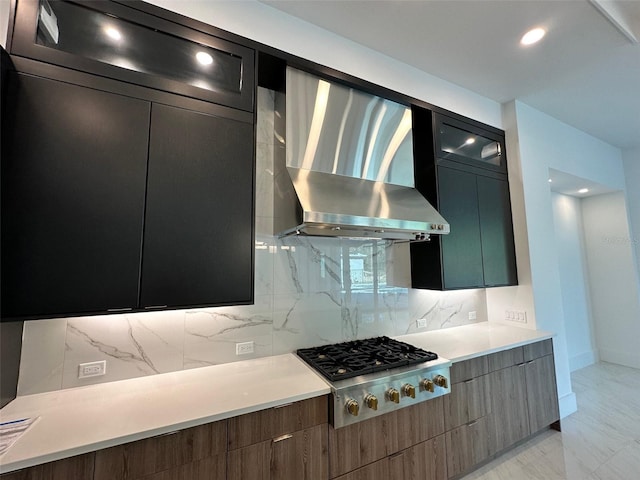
x: 496, y: 232
x: 73, y: 178
x: 112, y: 203
x: 199, y: 213
x: 472, y: 194
x: 123, y: 42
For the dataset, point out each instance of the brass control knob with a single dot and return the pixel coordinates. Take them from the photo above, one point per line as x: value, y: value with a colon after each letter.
x: 371, y: 401
x: 428, y: 385
x: 441, y: 381
x: 393, y: 395
x: 409, y: 390
x: 352, y: 407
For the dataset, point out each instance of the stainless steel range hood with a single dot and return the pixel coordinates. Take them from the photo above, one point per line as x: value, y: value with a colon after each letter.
x: 347, y: 169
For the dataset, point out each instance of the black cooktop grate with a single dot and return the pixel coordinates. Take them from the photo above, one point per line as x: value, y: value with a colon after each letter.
x: 359, y: 357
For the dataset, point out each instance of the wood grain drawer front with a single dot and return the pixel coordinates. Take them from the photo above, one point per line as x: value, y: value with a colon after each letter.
x: 74, y: 468
x: 425, y: 461
x: 301, y: 455
x: 468, y: 401
x: 270, y: 423
x: 468, y: 369
x: 165, y: 453
x: 538, y: 349
x: 468, y: 445
x: 375, y: 471
x: 542, y: 393
x: 509, y: 402
x: 361, y: 443
x: 505, y: 359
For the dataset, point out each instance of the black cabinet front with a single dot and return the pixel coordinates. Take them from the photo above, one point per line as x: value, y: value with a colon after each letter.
x: 115, y: 204
x: 74, y: 164
x: 198, y: 223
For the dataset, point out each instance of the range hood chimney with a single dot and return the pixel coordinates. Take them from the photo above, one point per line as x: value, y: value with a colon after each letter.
x: 344, y: 168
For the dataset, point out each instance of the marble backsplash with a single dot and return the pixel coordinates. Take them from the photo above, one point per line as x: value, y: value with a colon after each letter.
x: 308, y: 291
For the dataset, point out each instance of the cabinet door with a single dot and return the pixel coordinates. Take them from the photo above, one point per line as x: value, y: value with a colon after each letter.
x: 301, y: 455
x: 73, y: 174
x: 424, y: 461
x: 461, y: 249
x: 509, y: 404
x: 468, y: 401
x: 198, y: 246
x: 496, y: 228
x: 468, y: 445
x: 76, y: 468
x: 542, y: 394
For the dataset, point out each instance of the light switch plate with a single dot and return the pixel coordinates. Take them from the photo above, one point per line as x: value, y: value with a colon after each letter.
x: 92, y: 369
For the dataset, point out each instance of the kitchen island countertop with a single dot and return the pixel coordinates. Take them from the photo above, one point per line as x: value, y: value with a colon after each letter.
x: 84, y: 419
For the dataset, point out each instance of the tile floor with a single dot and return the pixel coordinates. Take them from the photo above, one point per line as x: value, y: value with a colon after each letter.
x: 601, y: 441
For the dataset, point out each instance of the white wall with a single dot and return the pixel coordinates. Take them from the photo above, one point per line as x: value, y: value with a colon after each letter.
x: 631, y: 160
x: 4, y: 21
x: 613, y: 278
x: 537, y: 142
x: 569, y: 235
x: 264, y: 24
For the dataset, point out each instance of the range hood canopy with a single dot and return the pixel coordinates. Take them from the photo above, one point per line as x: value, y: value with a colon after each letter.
x: 348, y: 169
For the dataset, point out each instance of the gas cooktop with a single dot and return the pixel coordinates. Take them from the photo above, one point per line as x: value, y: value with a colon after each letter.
x: 359, y: 357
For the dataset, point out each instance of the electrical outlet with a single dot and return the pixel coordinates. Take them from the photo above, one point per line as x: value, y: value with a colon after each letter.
x: 421, y: 323
x: 519, y: 316
x: 92, y: 369
x: 244, y: 348
x: 472, y: 315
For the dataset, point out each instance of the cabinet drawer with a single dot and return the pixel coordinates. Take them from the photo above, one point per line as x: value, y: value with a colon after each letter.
x: 538, y: 349
x: 270, y: 423
x: 361, y: 443
x: 302, y: 455
x: 468, y: 401
x: 176, y: 455
x: 425, y: 461
x: 506, y: 358
x: 468, y: 369
x: 76, y: 468
x: 376, y: 471
x: 468, y: 445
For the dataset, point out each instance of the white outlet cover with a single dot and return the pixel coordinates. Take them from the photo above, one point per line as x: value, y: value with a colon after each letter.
x: 244, y: 348
x: 472, y: 315
x: 92, y: 369
x: 421, y: 323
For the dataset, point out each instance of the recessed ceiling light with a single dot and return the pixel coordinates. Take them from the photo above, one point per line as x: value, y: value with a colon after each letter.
x: 533, y: 36
x: 583, y: 190
x: 550, y: 181
x: 470, y: 141
x: 204, y: 58
x: 113, y: 33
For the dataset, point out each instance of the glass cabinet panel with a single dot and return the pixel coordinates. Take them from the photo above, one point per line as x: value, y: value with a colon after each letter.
x: 118, y: 41
x: 89, y: 33
x: 456, y: 140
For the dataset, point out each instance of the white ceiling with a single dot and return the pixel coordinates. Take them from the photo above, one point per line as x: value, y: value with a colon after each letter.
x: 585, y: 72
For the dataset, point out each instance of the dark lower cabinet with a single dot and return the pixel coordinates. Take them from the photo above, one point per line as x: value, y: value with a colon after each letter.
x: 76, y: 468
x: 542, y: 397
x: 198, y: 237
x: 509, y: 398
x: 74, y: 163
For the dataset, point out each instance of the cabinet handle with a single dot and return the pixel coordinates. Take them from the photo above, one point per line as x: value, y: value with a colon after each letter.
x: 471, y: 424
x: 471, y: 380
x: 285, y: 405
x: 282, y: 437
x: 521, y: 364
x: 530, y: 362
x: 151, y: 307
x: 125, y: 309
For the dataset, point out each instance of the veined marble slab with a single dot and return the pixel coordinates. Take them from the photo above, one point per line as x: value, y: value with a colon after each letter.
x: 80, y: 420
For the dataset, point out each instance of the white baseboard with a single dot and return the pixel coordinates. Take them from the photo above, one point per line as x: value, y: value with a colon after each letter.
x: 583, y: 360
x: 568, y: 404
x: 628, y: 359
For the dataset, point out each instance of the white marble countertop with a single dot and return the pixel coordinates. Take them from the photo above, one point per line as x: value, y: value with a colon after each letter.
x: 84, y: 419
x: 469, y: 341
